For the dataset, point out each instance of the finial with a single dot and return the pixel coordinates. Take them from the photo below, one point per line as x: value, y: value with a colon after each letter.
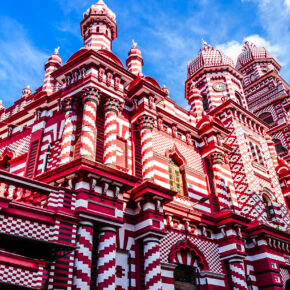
x: 134, y: 43
x: 204, y: 44
x: 28, y: 87
x: 56, y: 50
x: 100, y: 2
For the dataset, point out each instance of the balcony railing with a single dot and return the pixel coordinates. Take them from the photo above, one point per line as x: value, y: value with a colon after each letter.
x: 25, y: 190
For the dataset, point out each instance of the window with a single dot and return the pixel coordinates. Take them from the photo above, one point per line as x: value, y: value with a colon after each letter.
x: 185, y: 277
x: 278, y: 145
x: 267, y: 118
x: 238, y: 99
x: 268, y: 206
x: 5, y: 163
x: 260, y: 156
x: 175, y: 177
x: 205, y: 103
x: 254, y: 153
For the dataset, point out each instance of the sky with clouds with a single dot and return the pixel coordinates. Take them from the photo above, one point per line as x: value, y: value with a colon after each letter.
x: 168, y: 32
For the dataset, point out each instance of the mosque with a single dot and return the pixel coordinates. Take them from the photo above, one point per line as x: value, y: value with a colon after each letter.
x: 107, y: 183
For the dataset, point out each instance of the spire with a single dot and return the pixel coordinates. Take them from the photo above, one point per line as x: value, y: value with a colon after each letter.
x: 134, y: 61
x: 99, y: 27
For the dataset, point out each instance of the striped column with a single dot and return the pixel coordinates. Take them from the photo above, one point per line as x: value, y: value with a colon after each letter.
x: 146, y: 126
x: 237, y: 272
x: 112, y: 108
x: 217, y: 160
x: 195, y: 101
x: 106, y: 267
x: 89, y: 129
x: 69, y: 131
x: 152, y: 264
x: 83, y: 256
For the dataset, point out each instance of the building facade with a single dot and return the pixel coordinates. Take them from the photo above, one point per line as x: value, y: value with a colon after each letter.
x: 107, y: 183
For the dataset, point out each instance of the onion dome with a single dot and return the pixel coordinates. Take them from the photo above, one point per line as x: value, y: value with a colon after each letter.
x: 252, y: 53
x: 100, y: 9
x: 208, y: 57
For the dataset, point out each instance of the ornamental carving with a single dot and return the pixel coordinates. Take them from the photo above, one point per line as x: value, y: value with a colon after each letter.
x: 70, y: 105
x: 114, y: 105
x: 91, y: 95
x: 217, y: 158
x: 146, y: 122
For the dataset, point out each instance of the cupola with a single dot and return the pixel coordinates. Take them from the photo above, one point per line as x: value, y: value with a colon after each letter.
x: 134, y: 61
x: 99, y: 27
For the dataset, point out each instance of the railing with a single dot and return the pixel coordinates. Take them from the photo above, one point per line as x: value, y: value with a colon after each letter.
x: 25, y: 190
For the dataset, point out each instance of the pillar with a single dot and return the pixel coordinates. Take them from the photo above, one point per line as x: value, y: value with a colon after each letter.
x: 112, y: 108
x: 217, y: 160
x: 146, y: 126
x: 152, y: 265
x: 237, y: 272
x: 134, y: 61
x: 83, y: 256
x: 89, y: 128
x: 106, y: 267
x: 69, y: 131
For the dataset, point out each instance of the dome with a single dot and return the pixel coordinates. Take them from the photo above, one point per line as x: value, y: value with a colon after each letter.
x: 250, y: 53
x: 208, y: 57
x: 110, y: 56
x: 100, y: 9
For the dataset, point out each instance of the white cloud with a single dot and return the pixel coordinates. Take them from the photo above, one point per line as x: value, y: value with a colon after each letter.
x: 233, y: 48
x: 21, y: 62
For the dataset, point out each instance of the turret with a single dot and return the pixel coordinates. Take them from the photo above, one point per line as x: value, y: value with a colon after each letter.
x: 134, y: 61
x: 53, y: 63
x: 99, y: 27
x: 214, y: 75
x: 194, y: 99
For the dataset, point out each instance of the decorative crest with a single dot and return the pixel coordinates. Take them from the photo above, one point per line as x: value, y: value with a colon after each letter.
x: 134, y: 43
x: 56, y: 50
x: 204, y: 44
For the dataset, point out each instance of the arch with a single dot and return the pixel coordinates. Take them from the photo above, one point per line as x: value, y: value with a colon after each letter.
x: 186, y: 253
x: 253, y: 151
x: 267, y: 117
x: 268, y: 197
x: 174, y: 154
x: 260, y: 155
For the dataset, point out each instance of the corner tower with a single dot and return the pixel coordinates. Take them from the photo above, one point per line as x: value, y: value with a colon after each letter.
x: 99, y: 27
x: 214, y: 75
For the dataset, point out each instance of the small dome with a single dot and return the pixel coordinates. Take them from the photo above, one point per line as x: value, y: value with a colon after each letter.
x: 250, y: 53
x: 208, y: 57
x: 99, y: 9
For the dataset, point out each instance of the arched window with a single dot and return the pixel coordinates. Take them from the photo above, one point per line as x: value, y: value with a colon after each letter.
x: 5, y: 163
x: 254, y: 153
x: 260, y: 156
x: 267, y: 117
x: 278, y: 145
x: 175, y: 177
x: 268, y: 206
x: 185, y: 277
x: 238, y: 99
x: 205, y: 103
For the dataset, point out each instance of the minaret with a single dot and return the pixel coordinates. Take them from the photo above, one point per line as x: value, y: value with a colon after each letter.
x: 134, y: 61
x: 99, y: 27
x: 53, y: 63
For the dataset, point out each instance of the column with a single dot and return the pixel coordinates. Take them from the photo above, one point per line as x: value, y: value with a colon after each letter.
x: 83, y: 256
x: 112, y: 108
x: 152, y: 265
x: 237, y: 272
x: 69, y: 131
x: 146, y: 126
x: 89, y: 128
x: 106, y: 267
x: 217, y: 160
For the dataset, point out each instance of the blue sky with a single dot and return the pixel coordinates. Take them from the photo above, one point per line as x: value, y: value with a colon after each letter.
x: 168, y: 32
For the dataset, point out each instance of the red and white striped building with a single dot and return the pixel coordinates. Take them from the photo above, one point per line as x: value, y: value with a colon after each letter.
x: 107, y: 183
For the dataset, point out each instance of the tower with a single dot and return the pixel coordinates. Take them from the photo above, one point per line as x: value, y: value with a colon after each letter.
x: 267, y: 94
x: 99, y: 27
x: 213, y: 73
